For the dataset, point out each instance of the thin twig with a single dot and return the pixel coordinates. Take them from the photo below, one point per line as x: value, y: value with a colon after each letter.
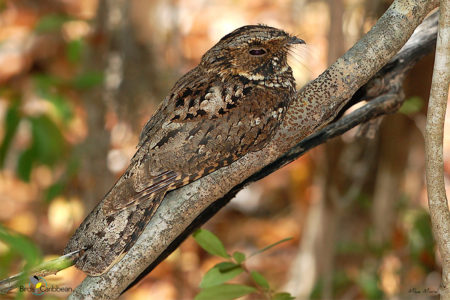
x: 44, y: 269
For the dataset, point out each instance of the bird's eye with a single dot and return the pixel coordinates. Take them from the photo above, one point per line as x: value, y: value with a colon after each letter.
x: 257, y: 51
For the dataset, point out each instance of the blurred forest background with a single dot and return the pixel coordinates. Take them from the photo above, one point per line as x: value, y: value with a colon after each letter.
x: 79, y: 79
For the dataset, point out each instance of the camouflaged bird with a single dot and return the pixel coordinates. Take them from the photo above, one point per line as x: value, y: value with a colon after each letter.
x: 227, y: 106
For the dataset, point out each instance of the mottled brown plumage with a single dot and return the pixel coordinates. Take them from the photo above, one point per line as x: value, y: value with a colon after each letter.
x: 227, y: 106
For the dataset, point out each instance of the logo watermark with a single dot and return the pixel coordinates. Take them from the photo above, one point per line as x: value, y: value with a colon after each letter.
x: 38, y: 286
x: 426, y: 291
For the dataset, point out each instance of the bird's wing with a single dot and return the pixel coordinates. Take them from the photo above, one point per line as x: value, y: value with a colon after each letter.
x: 169, y: 156
x: 179, y: 145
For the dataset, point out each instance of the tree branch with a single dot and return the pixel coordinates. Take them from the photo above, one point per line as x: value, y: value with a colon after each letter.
x: 386, y: 83
x: 316, y: 105
x: 437, y: 200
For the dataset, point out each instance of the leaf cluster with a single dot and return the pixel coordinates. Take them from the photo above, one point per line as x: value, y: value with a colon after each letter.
x: 214, y: 284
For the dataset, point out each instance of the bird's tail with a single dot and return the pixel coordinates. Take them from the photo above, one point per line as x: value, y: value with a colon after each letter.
x: 105, y: 239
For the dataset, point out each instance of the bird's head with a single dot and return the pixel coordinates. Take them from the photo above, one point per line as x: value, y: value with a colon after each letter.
x: 257, y: 52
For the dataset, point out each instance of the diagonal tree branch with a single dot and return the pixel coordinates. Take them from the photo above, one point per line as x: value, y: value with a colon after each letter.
x: 385, y: 84
x: 316, y: 105
x: 437, y: 199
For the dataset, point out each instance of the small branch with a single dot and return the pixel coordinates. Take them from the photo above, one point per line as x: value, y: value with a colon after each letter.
x: 437, y: 200
x: 44, y: 269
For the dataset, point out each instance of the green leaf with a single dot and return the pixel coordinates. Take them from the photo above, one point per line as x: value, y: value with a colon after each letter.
x: 25, y: 164
x: 239, y: 257
x: 282, y: 296
x: 45, y: 86
x: 51, y: 23
x: 20, y: 244
x: 224, y: 292
x: 25, y: 248
x: 270, y: 246
x: 349, y: 247
x: 316, y: 292
x: 48, y: 141
x: 369, y: 285
x: 420, y: 236
x: 6, y: 261
x: 87, y: 80
x: 12, y: 120
x: 216, y: 276
x: 74, y: 49
x: 226, y: 266
x: 260, y: 280
x: 210, y: 243
x: 61, y: 104
x: 44, y: 82
x: 54, y: 190
x: 411, y: 106
x: 73, y: 164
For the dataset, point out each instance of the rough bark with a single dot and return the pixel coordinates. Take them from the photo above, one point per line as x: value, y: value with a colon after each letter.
x: 316, y: 105
x: 437, y: 200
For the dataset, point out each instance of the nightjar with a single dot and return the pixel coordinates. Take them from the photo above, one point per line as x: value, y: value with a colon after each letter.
x: 227, y: 106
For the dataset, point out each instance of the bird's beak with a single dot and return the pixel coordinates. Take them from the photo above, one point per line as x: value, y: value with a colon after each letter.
x: 295, y: 40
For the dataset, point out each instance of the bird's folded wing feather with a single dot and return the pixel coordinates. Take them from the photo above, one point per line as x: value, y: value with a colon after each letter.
x: 184, y: 120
